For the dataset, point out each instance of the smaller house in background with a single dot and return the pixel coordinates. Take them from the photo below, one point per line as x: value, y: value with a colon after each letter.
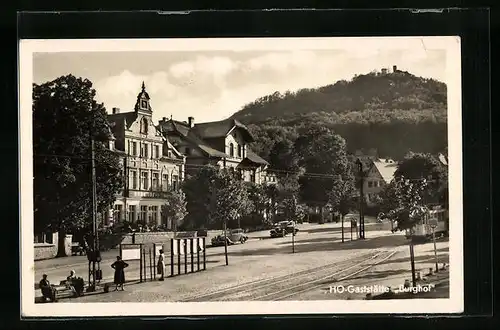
x: 380, y: 174
x: 443, y: 159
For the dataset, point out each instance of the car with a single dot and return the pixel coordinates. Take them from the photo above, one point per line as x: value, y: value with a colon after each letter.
x: 233, y: 236
x: 283, y: 228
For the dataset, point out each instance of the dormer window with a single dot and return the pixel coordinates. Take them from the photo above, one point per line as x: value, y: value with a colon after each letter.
x: 144, y: 126
x: 231, y: 150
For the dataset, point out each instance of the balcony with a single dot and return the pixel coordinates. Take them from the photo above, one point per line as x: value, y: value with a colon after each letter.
x: 158, y: 193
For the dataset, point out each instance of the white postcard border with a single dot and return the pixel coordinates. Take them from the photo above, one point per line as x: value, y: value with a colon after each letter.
x: 454, y: 304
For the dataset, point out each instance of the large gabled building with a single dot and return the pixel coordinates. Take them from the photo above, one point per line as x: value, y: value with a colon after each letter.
x: 224, y: 143
x: 151, y: 164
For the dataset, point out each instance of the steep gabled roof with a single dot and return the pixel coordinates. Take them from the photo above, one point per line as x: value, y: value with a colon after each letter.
x: 386, y: 168
x: 122, y: 120
x: 204, y: 147
x: 255, y: 158
x: 221, y: 128
x: 180, y: 127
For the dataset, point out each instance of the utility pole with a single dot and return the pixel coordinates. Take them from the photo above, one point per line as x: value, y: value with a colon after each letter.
x: 361, y: 200
x: 94, y: 258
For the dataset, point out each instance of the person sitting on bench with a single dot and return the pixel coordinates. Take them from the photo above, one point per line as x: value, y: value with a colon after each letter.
x: 48, y: 291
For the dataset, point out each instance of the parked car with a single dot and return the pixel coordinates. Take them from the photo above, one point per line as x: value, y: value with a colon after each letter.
x: 284, y: 228
x: 233, y: 236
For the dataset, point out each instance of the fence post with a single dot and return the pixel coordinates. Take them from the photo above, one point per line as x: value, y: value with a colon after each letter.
x: 178, y: 256
x: 204, y: 254
x: 172, y: 257
x: 145, y: 265
x: 150, y: 265
x: 154, y: 260
x: 191, y: 241
x: 185, y: 256
x: 140, y: 265
x: 198, y: 252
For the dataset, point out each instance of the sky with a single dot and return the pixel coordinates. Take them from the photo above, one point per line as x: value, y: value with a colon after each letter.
x: 211, y: 85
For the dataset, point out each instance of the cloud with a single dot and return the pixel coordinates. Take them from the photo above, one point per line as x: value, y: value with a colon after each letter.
x: 212, y: 87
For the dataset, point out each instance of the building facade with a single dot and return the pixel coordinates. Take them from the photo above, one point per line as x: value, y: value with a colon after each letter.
x: 380, y: 173
x: 224, y: 143
x: 152, y: 165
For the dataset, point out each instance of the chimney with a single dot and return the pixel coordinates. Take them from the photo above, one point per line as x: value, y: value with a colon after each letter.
x: 116, y: 110
x: 394, y: 68
x: 190, y: 121
x: 164, y: 119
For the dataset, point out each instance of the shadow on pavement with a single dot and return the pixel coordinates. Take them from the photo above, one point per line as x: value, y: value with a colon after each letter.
x: 368, y: 228
x: 314, y: 245
x: 381, y: 274
x: 419, y: 259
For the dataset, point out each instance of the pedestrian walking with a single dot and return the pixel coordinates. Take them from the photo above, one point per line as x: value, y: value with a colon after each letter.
x: 161, y: 265
x: 119, y: 265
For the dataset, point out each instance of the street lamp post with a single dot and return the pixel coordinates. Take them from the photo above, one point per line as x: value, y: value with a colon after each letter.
x: 433, y: 225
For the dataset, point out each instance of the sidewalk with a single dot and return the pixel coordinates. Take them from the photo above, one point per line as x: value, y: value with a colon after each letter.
x: 242, y: 269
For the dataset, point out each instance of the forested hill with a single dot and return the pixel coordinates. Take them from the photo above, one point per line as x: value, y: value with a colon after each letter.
x: 390, y: 112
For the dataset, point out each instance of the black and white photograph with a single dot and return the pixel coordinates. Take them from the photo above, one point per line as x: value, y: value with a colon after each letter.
x: 241, y: 176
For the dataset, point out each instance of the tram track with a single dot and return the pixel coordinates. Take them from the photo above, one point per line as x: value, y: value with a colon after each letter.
x: 341, y: 275
x: 275, y: 287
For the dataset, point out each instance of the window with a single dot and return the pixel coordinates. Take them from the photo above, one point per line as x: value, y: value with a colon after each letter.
x: 370, y: 184
x: 131, y: 213
x: 133, y: 179
x: 164, y: 182
x: 155, y: 181
x: 175, y: 178
x: 134, y: 148
x: 231, y: 150
x: 144, y: 177
x: 146, y: 149
x: 143, y: 214
x: 144, y: 125
x: 153, y: 214
x: 117, y: 215
x: 252, y: 176
x: 239, y: 150
x: 157, y: 152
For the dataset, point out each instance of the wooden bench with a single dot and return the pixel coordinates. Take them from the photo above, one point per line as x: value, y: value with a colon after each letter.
x: 63, y: 290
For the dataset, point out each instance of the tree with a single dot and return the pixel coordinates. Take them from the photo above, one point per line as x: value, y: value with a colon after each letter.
x: 283, y: 157
x: 408, y: 209
x: 228, y: 200
x: 64, y: 115
x: 342, y: 196
x: 257, y: 204
x: 322, y: 154
x: 417, y: 166
x: 198, y: 197
x: 175, y: 208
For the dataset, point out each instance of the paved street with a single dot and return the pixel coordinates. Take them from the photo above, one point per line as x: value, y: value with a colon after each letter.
x: 319, y: 253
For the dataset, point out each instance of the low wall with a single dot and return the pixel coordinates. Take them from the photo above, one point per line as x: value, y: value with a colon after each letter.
x: 160, y: 237
x: 49, y: 250
x: 45, y: 251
